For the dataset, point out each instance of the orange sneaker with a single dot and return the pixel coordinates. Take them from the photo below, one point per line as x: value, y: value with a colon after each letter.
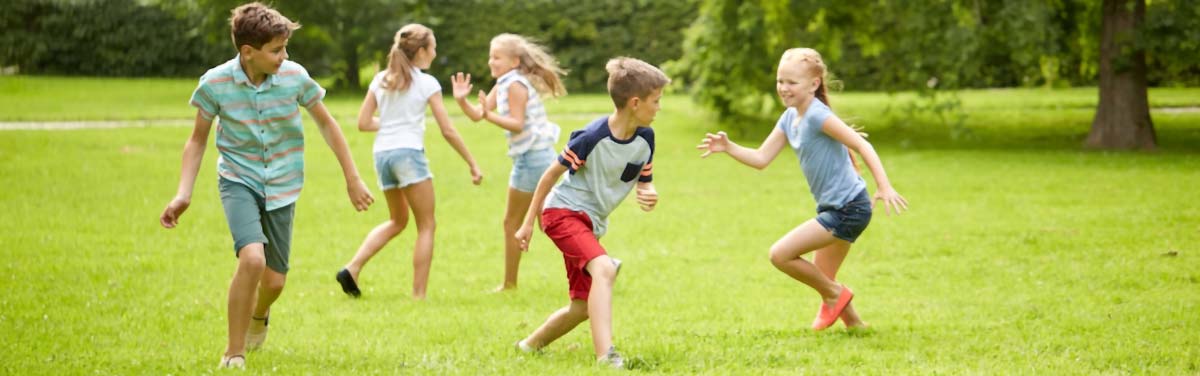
x: 829, y: 315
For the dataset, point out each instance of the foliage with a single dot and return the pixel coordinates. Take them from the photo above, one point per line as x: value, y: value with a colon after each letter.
x: 98, y: 38
x: 731, y: 50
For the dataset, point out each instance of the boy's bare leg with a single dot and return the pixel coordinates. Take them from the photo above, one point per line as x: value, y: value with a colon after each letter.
x: 269, y: 288
x: 558, y: 324
x: 599, y: 308
x: 514, y: 216
x: 829, y: 260
x: 420, y: 197
x: 242, y: 291
x: 381, y: 234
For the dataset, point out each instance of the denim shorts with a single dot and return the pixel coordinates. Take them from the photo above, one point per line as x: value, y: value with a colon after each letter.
x: 848, y: 221
x: 528, y: 169
x: 250, y: 222
x: 399, y: 168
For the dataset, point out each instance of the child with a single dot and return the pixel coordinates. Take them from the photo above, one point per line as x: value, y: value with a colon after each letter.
x: 820, y: 140
x: 260, y: 140
x: 401, y: 93
x: 605, y: 158
x: 523, y: 70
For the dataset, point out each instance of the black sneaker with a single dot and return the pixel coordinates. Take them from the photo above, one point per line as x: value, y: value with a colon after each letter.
x: 347, y: 282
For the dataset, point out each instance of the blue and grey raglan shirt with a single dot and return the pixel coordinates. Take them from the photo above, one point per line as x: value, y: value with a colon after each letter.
x: 603, y: 169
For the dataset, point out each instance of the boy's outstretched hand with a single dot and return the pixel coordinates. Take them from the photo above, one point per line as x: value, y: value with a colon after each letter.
x: 523, y: 235
x: 647, y: 198
x: 461, y: 85
x: 170, y: 215
x: 713, y: 143
x: 360, y: 197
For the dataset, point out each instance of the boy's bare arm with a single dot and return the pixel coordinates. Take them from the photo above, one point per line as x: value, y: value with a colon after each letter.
x: 360, y: 197
x: 545, y: 184
x: 193, y: 155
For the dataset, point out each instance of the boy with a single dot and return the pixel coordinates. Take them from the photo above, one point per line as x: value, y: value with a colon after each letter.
x: 260, y: 140
x: 604, y: 160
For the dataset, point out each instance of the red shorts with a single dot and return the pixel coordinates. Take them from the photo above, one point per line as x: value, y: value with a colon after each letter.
x: 571, y: 231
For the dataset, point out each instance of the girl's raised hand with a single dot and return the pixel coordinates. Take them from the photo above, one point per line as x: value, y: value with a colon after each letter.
x: 713, y: 143
x: 462, y: 85
x: 891, y: 200
x: 483, y: 105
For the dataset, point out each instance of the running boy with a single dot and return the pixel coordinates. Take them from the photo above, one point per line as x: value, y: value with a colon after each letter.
x: 260, y: 140
x: 605, y: 160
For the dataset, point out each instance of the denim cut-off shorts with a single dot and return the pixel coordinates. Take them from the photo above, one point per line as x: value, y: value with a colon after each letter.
x: 528, y: 168
x: 399, y: 168
x: 848, y: 221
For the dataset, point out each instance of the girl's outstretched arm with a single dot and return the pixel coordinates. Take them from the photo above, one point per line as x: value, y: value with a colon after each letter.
x: 757, y: 158
x: 838, y: 130
x: 518, y: 96
x: 452, y: 137
x: 461, y: 85
x: 367, y: 121
x: 545, y: 184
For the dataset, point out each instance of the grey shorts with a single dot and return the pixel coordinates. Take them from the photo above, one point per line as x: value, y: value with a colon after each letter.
x: 250, y: 222
x: 848, y: 221
x: 528, y: 168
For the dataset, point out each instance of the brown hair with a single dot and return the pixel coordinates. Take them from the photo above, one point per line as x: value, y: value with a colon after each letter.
x: 255, y: 24
x: 408, y: 41
x: 812, y: 64
x: 629, y: 77
x: 535, y: 63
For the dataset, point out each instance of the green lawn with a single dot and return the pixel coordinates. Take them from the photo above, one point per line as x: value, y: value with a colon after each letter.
x: 1022, y: 254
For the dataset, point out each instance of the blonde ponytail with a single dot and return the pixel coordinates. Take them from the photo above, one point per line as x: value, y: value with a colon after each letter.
x: 408, y: 40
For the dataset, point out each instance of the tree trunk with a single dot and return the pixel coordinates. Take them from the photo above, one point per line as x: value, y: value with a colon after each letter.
x: 1123, y: 115
x: 350, y: 51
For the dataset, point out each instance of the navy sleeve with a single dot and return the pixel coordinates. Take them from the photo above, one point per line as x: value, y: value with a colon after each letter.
x: 580, y: 145
x: 647, y: 175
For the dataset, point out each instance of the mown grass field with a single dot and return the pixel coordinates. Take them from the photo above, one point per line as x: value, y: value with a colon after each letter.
x: 1022, y: 254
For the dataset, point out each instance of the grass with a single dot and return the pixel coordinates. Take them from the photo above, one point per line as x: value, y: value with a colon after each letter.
x: 1022, y: 253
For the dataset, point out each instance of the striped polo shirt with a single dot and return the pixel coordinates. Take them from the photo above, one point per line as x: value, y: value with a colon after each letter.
x: 538, y: 132
x: 260, y: 141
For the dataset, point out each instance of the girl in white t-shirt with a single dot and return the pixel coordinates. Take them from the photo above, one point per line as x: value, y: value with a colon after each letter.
x: 524, y: 73
x: 400, y: 95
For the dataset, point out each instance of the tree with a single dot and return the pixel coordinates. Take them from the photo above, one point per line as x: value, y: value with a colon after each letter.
x: 1123, y: 114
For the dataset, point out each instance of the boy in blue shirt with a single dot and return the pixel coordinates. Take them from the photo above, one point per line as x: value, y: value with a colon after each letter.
x: 260, y: 140
x: 606, y: 159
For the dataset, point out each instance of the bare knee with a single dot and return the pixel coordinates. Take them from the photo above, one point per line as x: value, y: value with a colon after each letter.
x: 273, y: 285
x: 251, y: 258
x: 512, y: 223
x: 603, y: 272
x: 779, y: 256
x: 577, y: 311
x: 397, y: 225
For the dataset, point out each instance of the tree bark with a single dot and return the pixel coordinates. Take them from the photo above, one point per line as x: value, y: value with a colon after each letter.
x: 1123, y: 115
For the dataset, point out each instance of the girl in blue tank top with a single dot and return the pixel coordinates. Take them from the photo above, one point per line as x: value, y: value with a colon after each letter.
x: 823, y: 143
x: 524, y: 72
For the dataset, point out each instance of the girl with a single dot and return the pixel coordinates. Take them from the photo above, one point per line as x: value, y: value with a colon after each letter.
x: 820, y: 140
x: 523, y: 70
x: 400, y: 93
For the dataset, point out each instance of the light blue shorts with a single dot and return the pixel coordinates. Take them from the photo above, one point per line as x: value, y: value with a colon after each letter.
x: 399, y: 168
x: 528, y: 169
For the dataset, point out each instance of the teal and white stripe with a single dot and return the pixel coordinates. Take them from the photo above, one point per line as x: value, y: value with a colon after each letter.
x: 259, y: 137
x: 538, y: 132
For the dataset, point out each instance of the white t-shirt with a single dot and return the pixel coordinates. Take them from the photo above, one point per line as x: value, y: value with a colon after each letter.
x: 402, y: 113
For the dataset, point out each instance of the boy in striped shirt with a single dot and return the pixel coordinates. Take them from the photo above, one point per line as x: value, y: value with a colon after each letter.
x: 606, y: 160
x: 257, y: 96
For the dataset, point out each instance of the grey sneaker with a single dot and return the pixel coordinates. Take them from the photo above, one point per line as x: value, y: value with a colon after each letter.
x: 612, y: 359
x: 236, y: 361
x: 616, y: 264
x: 255, y: 336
